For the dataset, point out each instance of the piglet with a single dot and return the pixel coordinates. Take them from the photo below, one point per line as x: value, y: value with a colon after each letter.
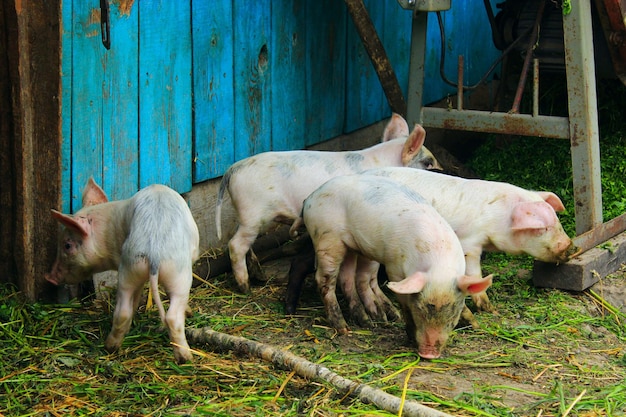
x: 491, y: 216
x: 151, y: 236
x: 359, y: 221
x: 271, y: 186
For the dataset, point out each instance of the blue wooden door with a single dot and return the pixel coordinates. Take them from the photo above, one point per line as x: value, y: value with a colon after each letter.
x: 189, y: 87
x: 126, y: 110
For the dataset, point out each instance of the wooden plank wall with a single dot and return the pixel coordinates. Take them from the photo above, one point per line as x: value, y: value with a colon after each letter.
x: 188, y: 88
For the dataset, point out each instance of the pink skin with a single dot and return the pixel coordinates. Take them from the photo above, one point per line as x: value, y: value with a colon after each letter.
x: 271, y: 186
x: 432, y: 312
x: 491, y: 216
x: 382, y: 221
x: 150, y: 237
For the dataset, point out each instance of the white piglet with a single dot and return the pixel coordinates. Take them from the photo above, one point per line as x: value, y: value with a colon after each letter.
x: 271, y: 186
x: 377, y: 220
x: 490, y: 216
x: 151, y: 236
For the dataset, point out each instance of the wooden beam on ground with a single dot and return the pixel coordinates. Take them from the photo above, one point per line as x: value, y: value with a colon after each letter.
x: 585, y: 269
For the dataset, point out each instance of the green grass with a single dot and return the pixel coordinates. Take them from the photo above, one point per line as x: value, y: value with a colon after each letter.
x: 546, y: 165
x: 536, y: 356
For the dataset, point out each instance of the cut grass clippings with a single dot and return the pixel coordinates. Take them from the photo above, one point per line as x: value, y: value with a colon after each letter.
x: 543, y: 346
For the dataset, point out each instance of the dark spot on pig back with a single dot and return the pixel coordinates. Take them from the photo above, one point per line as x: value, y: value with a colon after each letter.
x: 354, y: 161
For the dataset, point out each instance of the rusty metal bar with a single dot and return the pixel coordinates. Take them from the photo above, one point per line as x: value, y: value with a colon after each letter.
x: 601, y: 233
x: 376, y: 51
x: 529, y: 53
x: 583, y: 116
x: 496, y: 122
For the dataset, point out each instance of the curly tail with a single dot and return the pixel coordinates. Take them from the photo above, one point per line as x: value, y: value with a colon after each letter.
x: 218, y: 204
x: 293, y: 230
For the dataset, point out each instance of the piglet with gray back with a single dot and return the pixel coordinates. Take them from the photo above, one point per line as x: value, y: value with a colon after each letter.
x: 377, y: 220
x: 271, y: 186
x: 487, y: 215
x: 149, y: 237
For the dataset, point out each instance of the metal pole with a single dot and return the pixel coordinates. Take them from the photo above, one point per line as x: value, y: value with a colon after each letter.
x: 583, y: 115
x: 416, y: 68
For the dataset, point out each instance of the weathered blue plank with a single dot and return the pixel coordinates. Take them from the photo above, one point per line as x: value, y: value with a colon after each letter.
x: 288, y: 64
x: 165, y: 94
x: 325, y: 69
x: 120, y: 112
x: 251, y: 26
x: 364, y: 95
x: 87, y: 71
x: 467, y: 32
x: 214, y: 103
x: 67, y: 35
x: 396, y: 38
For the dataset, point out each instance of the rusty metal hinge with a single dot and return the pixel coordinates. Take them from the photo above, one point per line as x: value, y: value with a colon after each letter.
x: 105, y: 23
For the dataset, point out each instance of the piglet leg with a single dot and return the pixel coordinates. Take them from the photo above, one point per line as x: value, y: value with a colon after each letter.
x: 329, y: 259
x: 349, y: 288
x: 127, y: 300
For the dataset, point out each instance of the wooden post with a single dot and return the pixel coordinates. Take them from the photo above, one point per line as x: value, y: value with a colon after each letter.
x: 33, y: 51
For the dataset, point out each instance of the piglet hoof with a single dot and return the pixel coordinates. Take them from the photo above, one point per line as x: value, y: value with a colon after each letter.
x: 343, y: 331
x: 359, y: 316
x: 482, y: 303
x: 254, y: 268
x: 468, y: 317
x: 182, y: 356
x: 244, y: 287
x: 111, y: 345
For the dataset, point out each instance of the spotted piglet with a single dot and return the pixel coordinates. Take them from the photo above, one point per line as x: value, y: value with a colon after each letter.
x: 377, y: 220
x: 271, y: 186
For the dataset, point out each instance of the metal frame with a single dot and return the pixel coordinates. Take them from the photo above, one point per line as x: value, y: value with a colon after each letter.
x: 581, y: 127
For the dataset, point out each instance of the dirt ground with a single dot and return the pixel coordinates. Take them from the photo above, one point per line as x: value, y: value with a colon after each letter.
x: 518, y: 359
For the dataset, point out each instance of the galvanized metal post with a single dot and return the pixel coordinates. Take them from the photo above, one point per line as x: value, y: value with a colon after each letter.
x: 583, y: 115
x: 416, y: 68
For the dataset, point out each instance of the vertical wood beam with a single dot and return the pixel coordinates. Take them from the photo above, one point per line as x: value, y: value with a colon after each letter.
x: 34, y: 57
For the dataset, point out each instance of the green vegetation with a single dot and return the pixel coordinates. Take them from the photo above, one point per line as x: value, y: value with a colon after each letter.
x: 545, y: 353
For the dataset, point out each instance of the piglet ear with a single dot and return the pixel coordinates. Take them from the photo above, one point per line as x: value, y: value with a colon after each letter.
x: 532, y: 215
x: 474, y: 285
x: 552, y: 199
x: 410, y: 285
x: 93, y: 194
x: 413, y: 144
x: 396, y: 128
x: 77, y: 226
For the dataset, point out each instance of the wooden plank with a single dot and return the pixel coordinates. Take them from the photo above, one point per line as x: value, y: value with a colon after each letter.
x: 364, y: 94
x: 214, y: 101
x: 87, y: 97
x: 8, y: 59
x: 584, y: 270
x: 251, y: 26
x: 67, y: 74
x: 288, y: 63
x: 120, y: 112
x: 325, y: 69
x: 165, y: 94
x: 33, y: 68
x: 396, y: 38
